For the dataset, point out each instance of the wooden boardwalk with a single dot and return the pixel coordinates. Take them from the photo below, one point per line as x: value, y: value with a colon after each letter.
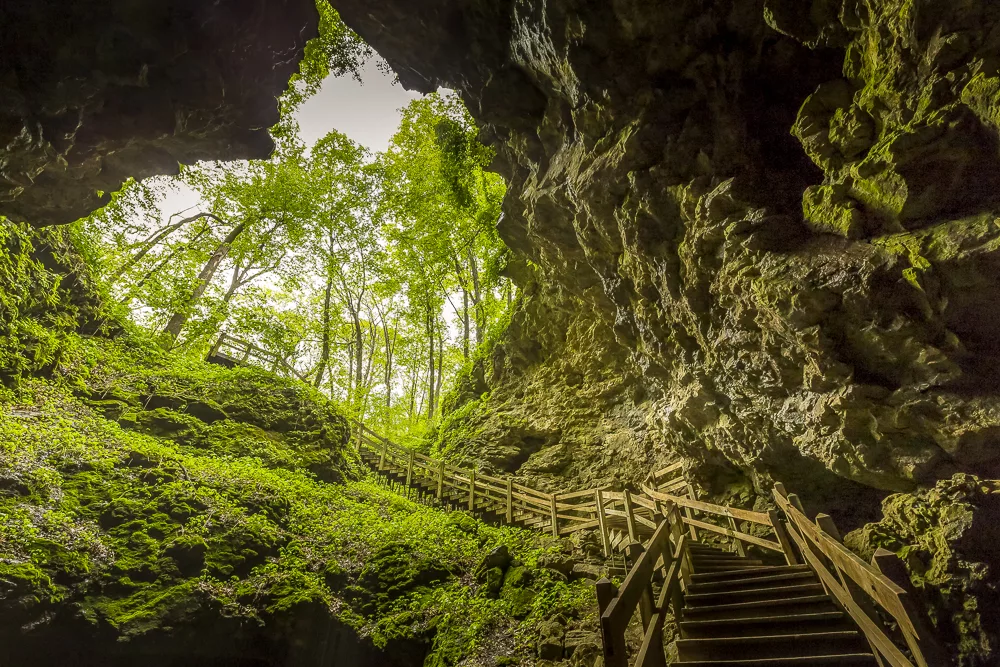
x: 773, y: 588
x: 739, y: 587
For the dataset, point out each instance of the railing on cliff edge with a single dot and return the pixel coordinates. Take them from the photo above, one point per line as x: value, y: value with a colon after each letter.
x: 653, y: 528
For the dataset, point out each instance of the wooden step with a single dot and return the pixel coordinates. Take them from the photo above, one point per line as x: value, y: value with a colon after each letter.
x: 757, y: 581
x: 759, y: 626
x: 729, y: 562
x: 746, y: 572
x: 721, y: 567
x: 719, y: 556
x: 806, y: 604
x: 847, y: 659
x: 763, y: 593
x: 812, y: 644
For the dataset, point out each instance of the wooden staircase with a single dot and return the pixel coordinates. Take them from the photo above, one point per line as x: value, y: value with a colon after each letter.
x: 741, y: 611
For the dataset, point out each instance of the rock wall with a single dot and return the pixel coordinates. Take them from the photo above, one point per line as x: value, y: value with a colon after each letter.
x: 765, y: 235
x: 761, y: 235
x: 92, y: 93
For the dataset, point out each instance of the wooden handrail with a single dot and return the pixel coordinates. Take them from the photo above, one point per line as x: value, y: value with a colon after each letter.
x: 846, y: 576
x: 720, y: 510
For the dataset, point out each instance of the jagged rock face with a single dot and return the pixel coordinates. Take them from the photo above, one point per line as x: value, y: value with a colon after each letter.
x: 947, y: 536
x: 775, y: 225
x: 92, y: 93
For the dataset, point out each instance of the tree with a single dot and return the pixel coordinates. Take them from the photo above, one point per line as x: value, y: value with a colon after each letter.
x: 441, y: 207
x: 262, y: 202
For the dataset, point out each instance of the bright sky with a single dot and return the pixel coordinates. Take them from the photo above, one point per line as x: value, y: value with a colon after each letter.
x: 368, y: 112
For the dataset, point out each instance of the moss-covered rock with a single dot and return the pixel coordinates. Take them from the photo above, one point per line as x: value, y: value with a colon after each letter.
x: 177, y: 534
x: 947, y: 538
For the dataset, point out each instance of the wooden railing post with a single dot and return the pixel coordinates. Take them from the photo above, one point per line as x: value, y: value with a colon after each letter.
x: 784, y: 540
x: 472, y: 490
x: 740, y: 549
x: 678, y: 524
x: 825, y: 523
x: 409, y: 471
x: 926, y: 650
x: 440, y: 494
x: 510, y: 500
x: 689, y: 513
x: 555, y: 517
x: 646, y: 603
x: 633, y: 534
x: 602, y: 523
x: 385, y: 450
x: 614, y: 642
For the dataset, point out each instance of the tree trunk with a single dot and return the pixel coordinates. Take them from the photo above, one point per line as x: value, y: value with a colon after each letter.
x: 324, y: 356
x: 431, y: 366
x: 350, y: 372
x: 387, y: 367
x: 477, y: 296
x: 413, y: 393
x: 154, y: 241
x: 465, y: 325
x: 440, y: 362
x: 359, y: 350
x: 177, y: 321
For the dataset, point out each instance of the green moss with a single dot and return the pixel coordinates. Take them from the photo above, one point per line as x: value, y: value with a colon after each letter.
x: 169, y: 515
x: 47, y: 294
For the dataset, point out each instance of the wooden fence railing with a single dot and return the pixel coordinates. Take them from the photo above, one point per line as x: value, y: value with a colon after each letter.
x: 238, y: 351
x: 877, y: 596
x: 654, y: 528
x: 869, y: 593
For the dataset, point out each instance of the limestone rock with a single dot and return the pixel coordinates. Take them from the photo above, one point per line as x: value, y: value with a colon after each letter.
x: 586, y: 571
x: 582, y: 646
x: 947, y: 538
x: 94, y: 93
x: 550, y: 640
x: 751, y: 251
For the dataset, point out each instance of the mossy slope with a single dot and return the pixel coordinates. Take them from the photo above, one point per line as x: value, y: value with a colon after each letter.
x: 161, y: 509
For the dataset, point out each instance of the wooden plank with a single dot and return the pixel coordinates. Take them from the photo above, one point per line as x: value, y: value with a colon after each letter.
x: 555, y: 518
x: 568, y: 530
x: 651, y: 651
x: 673, y: 485
x: 734, y: 512
x: 510, y: 502
x: 472, y: 491
x: 783, y: 539
x: 767, y: 544
x: 673, y: 467
x: 874, y: 634
x: 648, y: 503
x: 587, y: 511
x: 633, y: 534
x: 602, y: 522
x: 531, y: 500
x: 528, y: 490
x: 689, y: 513
x: 614, y: 495
x: 409, y: 469
x: 740, y: 549
x: 589, y: 493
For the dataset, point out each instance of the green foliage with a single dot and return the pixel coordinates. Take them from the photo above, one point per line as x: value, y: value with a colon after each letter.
x: 47, y: 292
x: 142, y: 521
x: 337, y: 51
